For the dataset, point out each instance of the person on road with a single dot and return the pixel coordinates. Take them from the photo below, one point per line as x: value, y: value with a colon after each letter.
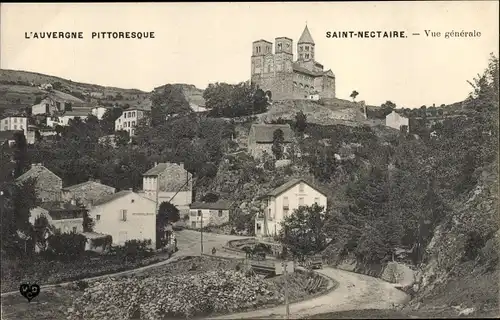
x: 214, y: 250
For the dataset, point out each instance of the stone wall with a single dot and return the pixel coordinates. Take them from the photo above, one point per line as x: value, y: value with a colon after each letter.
x: 215, y: 220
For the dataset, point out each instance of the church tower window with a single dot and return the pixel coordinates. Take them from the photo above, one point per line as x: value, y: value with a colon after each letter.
x: 307, y: 48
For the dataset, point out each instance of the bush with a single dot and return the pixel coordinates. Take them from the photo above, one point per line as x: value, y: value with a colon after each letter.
x: 66, y: 245
x: 135, y: 249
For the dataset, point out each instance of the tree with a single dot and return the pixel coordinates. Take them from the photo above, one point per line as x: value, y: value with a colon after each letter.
x: 354, y: 94
x: 303, y: 230
x: 108, y: 119
x: 168, y: 100
x: 300, y: 121
x: 278, y: 141
x: 167, y: 214
x: 122, y: 138
x: 20, y: 154
x: 210, y: 197
x: 40, y: 232
x: 88, y: 223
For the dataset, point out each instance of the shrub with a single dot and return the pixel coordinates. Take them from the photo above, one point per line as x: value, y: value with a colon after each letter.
x: 66, y: 245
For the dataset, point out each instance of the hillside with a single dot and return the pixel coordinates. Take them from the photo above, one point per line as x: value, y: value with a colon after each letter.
x: 19, y: 89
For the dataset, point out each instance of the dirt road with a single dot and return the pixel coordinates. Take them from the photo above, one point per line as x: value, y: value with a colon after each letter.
x: 354, y: 291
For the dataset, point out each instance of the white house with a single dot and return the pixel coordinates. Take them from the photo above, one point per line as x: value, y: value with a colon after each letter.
x: 63, y: 120
x: 282, y: 201
x: 204, y: 214
x: 396, y: 121
x: 99, y: 111
x: 125, y: 215
x: 14, y: 124
x: 169, y: 182
x: 128, y: 120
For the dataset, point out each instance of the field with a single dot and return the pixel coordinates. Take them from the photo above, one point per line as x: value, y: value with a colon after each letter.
x: 195, y: 286
x: 52, y: 272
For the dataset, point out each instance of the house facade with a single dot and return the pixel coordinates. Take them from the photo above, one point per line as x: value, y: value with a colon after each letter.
x: 260, y: 138
x: 14, y: 124
x: 125, y: 215
x: 48, y: 185
x: 204, y: 214
x: 282, y: 201
x: 87, y: 193
x: 64, y: 119
x: 169, y: 182
x: 128, y: 120
x: 396, y: 121
x: 65, y: 217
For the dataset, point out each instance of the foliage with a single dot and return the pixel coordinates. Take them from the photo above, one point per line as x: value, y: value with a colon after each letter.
x: 169, y: 100
x: 167, y: 214
x: 226, y: 100
x: 278, y: 141
x: 40, y: 231
x: 17, y: 200
x: 303, y: 230
x: 135, y: 249
x: 88, y: 223
x: 104, y: 242
x: 210, y: 197
x: 300, y: 121
x: 354, y: 94
x: 67, y: 246
x: 108, y: 119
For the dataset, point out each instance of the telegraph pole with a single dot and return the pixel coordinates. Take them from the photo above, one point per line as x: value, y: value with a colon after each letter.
x: 284, y: 263
x: 201, y: 233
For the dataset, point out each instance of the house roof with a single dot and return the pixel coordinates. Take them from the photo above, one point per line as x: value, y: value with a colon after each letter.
x: 263, y: 133
x: 286, y: 186
x: 160, y: 167
x: 112, y: 197
x: 219, y: 205
x: 53, y: 206
x: 35, y: 170
x: 76, y: 186
x: 77, y: 113
x: 298, y: 68
x: 306, y: 36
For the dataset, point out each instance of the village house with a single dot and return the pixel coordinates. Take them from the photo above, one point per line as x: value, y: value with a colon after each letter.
x: 129, y: 119
x: 56, y: 102
x: 169, y: 182
x: 87, y: 193
x: 396, y: 121
x: 260, y: 138
x: 63, y: 120
x: 44, y: 133
x: 282, y: 201
x: 14, y: 123
x: 125, y: 215
x: 48, y: 185
x: 64, y: 217
x: 204, y: 214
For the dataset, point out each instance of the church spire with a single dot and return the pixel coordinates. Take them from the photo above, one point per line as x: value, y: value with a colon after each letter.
x: 306, y: 36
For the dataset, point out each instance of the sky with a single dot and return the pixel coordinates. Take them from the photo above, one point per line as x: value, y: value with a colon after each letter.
x: 202, y: 43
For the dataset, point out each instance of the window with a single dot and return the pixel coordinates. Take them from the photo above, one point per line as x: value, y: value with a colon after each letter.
x: 125, y: 115
x: 279, y: 46
x: 133, y: 114
x: 15, y: 127
x: 285, y: 212
x: 285, y: 203
x: 307, y: 55
x: 220, y: 213
x: 259, y: 227
x: 133, y: 123
x: 124, y: 215
x: 287, y: 45
x: 316, y: 201
x: 199, y: 213
x: 301, y: 202
x: 6, y: 121
x: 74, y: 229
x: 301, y: 48
x: 98, y: 217
x: 301, y: 187
x: 193, y: 213
x: 307, y: 48
x: 193, y: 224
x: 15, y: 120
x: 301, y: 56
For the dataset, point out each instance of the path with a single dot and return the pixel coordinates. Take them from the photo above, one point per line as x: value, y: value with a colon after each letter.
x: 354, y: 291
x: 188, y: 242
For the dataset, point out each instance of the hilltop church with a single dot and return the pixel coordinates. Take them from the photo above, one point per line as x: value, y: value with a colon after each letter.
x: 288, y: 79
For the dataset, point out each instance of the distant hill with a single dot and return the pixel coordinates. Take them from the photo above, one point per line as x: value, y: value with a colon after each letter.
x: 20, y: 89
